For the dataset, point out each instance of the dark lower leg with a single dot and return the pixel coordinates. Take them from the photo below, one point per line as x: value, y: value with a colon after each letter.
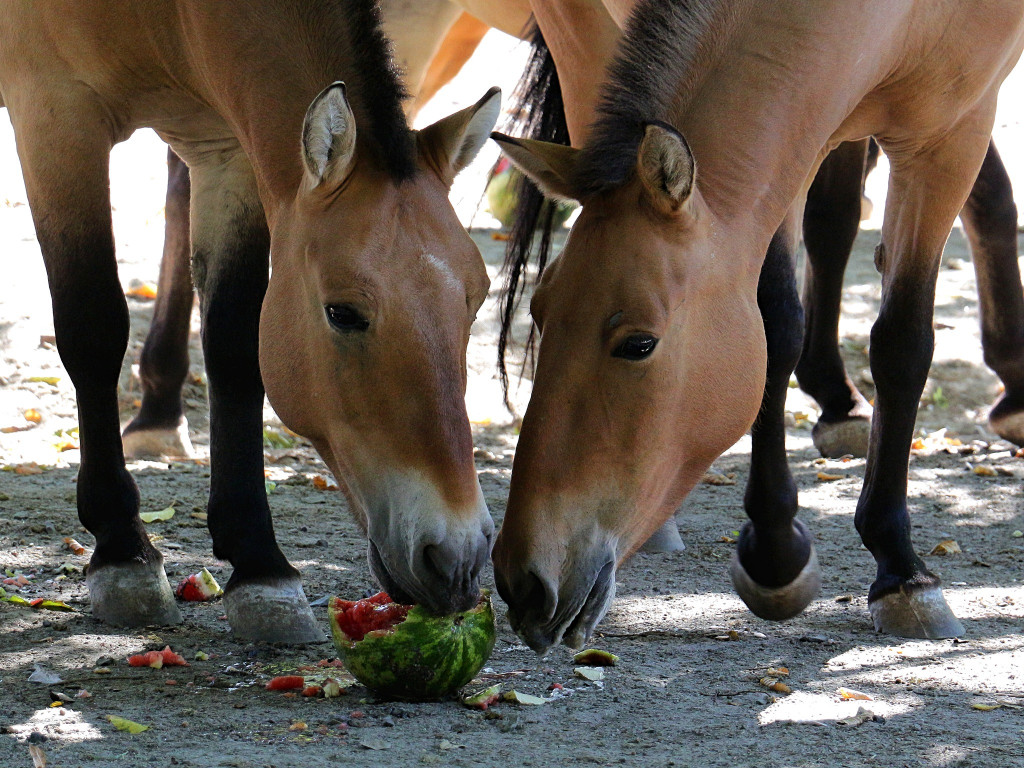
x: 164, y: 362
x: 239, y: 515
x: 831, y: 222
x: 990, y: 221
x: 770, y: 548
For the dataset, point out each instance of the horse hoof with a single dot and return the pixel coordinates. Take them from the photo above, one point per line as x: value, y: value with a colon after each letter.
x: 132, y: 595
x: 834, y: 439
x: 920, y: 612
x: 777, y: 603
x: 665, y: 539
x: 164, y: 443
x: 1007, y: 422
x: 276, y: 613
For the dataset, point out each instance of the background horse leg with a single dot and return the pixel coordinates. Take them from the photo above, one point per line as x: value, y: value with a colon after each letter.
x: 926, y: 191
x: 458, y: 45
x: 774, y: 568
x: 831, y: 221
x: 230, y: 245
x: 159, y: 429
x: 990, y: 221
x: 67, y: 178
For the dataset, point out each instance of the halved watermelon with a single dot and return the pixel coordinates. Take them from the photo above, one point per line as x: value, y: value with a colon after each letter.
x: 402, y: 652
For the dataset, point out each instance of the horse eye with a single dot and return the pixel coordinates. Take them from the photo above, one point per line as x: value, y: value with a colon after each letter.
x: 345, y: 317
x: 636, y: 347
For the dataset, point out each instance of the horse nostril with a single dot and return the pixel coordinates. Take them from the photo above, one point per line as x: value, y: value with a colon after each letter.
x: 537, y: 597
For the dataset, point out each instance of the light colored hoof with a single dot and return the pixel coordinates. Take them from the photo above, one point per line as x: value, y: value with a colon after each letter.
x: 276, y: 613
x: 132, y: 595
x: 919, y: 613
x: 842, y: 438
x: 158, y: 444
x: 665, y: 539
x: 777, y: 603
x: 1008, y: 426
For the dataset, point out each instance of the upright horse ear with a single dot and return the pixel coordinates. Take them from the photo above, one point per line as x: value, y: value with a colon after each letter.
x: 665, y: 165
x: 328, y: 138
x: 451, y: 144
x: 549, y: 166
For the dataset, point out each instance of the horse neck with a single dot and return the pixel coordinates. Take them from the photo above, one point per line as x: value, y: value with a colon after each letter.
x: 262, y: 63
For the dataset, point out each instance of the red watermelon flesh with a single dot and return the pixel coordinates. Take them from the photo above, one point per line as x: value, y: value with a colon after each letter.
x: 356, y: 618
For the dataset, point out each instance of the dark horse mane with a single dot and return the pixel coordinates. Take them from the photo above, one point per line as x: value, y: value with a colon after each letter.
x: 376, y: 92
x: 666, y: 48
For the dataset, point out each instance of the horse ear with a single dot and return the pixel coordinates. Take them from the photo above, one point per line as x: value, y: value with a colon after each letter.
x: 665, y: 165
x: 451, y: 144
x: 328, y: 137
x: 550, y: 166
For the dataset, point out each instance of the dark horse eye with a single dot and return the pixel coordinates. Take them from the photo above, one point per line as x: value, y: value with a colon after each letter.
x: 345, y: 317
x: 636, y: 347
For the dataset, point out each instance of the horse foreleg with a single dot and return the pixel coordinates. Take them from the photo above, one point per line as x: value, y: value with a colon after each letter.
x: 831, y: 221
x: 775, y: 569
x: 990, y: 221
x: 926, y: 191
x: 263, y: 599
x: 67, y: 178
x: 159, y: 429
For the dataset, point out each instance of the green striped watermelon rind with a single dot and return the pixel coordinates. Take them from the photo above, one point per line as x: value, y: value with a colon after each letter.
x: 425, y: 657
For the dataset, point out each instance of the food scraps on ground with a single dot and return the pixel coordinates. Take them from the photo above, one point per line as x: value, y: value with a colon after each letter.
x: 484, y: 698
x: 286, y: 683
x: 593, y: 674
x: 403, y: 652
x: 74, y: 545
x: 847, y: 694
x: 151, y: 517
x: 592, y: 657
x: 946, y: 547
x: 198, y: 588
x: 157, y: 659
x: 523, y: 698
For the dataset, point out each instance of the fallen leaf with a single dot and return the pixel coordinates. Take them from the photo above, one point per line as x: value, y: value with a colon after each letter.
x: 51, y: 380
x: 946, y: 547
x: 774, y: 684
x: 298, y: 725
x: 986, y: 707
x: 33, y: 415
x: 847, y: 694
x: 522, y: 698
x: 123, y: 724
x: 163, y: 514
x: 37, y: 755
x: 142, y: 290
x: 863, y: 715
x: 74, y: 546
x: 322, y: 484
x: 983, y: 470
x: 445, y: 744
x: 373, y: 742
x: 716, y: 478
x: 825, y: 477
x: 44, y: 676
x: 593, y: 674
x: 30, y: 468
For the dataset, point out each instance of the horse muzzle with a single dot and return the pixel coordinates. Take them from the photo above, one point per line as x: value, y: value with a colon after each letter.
x: 432, y: 559
x: 545, y: 612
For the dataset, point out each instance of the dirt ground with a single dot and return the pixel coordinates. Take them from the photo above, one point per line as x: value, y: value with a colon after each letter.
x: 687, y: 690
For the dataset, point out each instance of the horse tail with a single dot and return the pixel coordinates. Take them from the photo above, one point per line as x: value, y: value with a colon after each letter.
x: 537, y: 113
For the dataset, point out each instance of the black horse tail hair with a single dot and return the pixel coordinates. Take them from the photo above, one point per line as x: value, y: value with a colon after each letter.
x: 537, y: 113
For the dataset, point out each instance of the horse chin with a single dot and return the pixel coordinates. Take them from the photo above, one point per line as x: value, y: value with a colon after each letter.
x: 574, y: 620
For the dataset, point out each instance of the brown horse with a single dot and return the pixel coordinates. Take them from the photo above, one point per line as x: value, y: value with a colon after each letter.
x: 650, y: 322
x: 360, y: 331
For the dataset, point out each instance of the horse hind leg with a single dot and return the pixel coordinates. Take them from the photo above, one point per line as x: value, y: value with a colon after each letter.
x: 830, y: 225
x: 775, y: 568
x: 159, y: 429
x: 71, y: 210
x: 906, y: 598
x: 264, y: 599
x: 990, y: 221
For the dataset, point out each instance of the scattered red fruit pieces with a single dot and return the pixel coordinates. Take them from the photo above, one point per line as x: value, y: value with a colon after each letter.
x: 286, y: 683
x: 170, y: 681
x: 311, y: 690
x: 157, y: 659
x: 356, y: 714
x: 556, y: 687
x: 199, y: 588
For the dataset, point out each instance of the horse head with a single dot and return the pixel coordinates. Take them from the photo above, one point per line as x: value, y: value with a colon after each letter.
x: 363, y: 336
x: 651, y: 362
